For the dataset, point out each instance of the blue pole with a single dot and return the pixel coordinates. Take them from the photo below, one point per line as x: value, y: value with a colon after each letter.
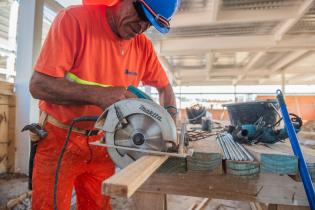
x: 304, y: 173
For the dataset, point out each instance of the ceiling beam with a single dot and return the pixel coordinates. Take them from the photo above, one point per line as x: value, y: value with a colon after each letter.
x: 209, y: 63
x: 236, y: 16
x: 5, y: 3
x: 237, y: 71
x: 206, y: 44
x: 288, y: 24
x: 301, y: 69
x: 201, y: 73
x: 169, y: 69
x: 202, y: 45
x: 249, y: 66
x: 289, y: 60
x: 215, y: 8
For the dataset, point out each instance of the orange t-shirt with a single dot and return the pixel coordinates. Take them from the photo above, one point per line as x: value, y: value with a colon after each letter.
x: 80, y: 41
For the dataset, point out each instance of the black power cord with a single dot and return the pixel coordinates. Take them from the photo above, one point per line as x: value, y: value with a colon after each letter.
x: 74, y: 121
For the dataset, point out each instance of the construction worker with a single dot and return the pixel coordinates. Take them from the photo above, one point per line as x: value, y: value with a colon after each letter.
x: 90, y: 56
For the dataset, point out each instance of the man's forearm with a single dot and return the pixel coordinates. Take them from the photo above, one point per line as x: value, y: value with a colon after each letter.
x: 64, y: 92
x: 167, y: 99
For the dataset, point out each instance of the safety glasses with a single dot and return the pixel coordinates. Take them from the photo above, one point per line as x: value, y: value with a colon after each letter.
x: 158, y: 18
x: 140, y: 11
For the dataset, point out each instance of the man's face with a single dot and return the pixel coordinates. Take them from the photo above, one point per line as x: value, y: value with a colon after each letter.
x: 127, y: 20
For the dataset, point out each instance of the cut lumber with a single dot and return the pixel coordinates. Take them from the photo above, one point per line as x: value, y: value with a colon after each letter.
x: 11, y: 135
x: 4, y: 123
x: 255, y: 206
x: 308, y: 153
x: 128, y: 180
x: 207, y: 156
x: 6, y: 88
x: 202, y: 204
x: 4, y: 100
x: 242, y: 168
x: 273, y: 161
x: 13, y: 202
x: 4, y: 139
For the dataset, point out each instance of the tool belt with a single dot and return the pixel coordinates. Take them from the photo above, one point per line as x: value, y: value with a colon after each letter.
x: 44, y: 117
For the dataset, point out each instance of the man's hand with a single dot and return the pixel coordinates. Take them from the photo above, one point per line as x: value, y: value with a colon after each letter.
x: 112, y: 95
x: 172, y: 110
x: 167, y: 99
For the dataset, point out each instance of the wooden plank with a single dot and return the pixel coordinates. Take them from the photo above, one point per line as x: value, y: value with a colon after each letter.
x: 128, y: 180
x: 265, y: 188
x: 242, y: 168
x: 286, y: 207
x: 273, y: 161
x: 308, y: 153
x: 202, y: 204
x: 15, y: 201
x: 4, y: 123
x: 256, y: 206
x: 207, y: 156
x: 6, y: 88
x: 4, y: 141
x: 152, y: 201
x: 4, y: 100
x: 11, y: 135
x: 3, y: 157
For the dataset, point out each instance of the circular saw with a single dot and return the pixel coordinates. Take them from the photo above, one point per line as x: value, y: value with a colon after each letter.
x: 136, y: 127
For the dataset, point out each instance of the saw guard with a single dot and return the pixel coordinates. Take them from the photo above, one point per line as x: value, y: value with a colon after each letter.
x: 110, y: 123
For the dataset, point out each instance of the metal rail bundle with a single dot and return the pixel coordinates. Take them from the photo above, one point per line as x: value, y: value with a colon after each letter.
x: 233, y: 150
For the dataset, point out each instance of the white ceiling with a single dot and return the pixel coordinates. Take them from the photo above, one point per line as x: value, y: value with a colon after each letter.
x: 234, y: 42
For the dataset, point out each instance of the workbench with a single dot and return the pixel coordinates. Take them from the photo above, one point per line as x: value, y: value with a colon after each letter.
x: 274, y: 183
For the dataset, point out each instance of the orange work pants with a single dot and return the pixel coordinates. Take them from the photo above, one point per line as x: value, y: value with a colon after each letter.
x: 83, y: 167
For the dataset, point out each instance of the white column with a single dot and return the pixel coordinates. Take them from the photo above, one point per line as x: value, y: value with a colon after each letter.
x: 28, y: 44
x: 14, y: 8
x: 283, y: 82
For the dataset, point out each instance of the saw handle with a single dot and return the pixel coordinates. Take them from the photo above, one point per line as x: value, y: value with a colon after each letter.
x: 139, y: 93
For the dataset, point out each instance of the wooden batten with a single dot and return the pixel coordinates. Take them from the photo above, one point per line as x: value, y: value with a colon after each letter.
x: 274, y: 161
x: 207, y: 156
x: 4, y: 140
x: 308, y: 153
x: 126, y: 182
x: 11, y: 135
x: 242, y: 168
x: 6, y: 88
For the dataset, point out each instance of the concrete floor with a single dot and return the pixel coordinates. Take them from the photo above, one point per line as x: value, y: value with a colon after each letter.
x: 12, y: 186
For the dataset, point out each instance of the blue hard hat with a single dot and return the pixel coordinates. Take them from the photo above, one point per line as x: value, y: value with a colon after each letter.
x: 163, y: 9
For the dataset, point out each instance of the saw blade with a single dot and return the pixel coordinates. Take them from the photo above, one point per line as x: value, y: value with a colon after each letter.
x: 142, y: 132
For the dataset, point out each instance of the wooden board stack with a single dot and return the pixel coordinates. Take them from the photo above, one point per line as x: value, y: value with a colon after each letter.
x: 7, y: 127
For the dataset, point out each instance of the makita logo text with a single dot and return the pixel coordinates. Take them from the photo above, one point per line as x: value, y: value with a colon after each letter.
x: 151, y: 113
x: 130, y: 73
